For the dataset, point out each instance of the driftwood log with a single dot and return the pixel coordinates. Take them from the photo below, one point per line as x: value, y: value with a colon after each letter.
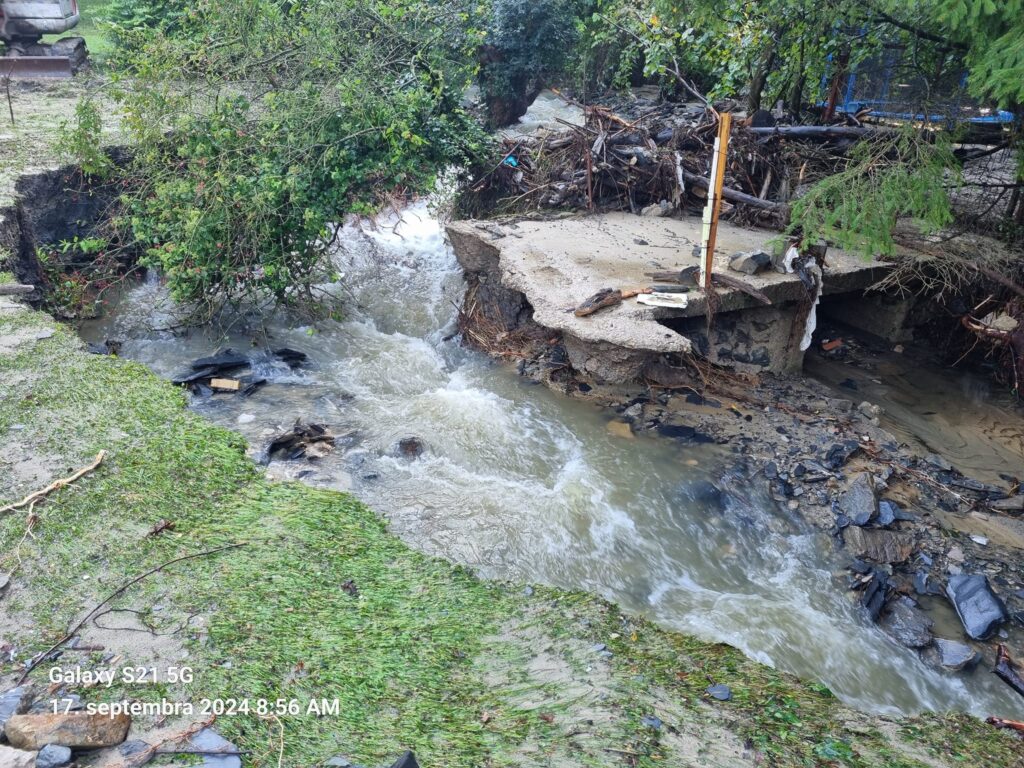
x: 1007, y: 671
x: 606, y: 297
x: 14, y: 289
x: 735, y: 196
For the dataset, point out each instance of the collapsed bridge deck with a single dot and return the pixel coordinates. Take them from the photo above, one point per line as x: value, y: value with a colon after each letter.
x: 556, y: 264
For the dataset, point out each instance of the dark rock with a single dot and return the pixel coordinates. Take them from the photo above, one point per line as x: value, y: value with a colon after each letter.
x: 410, y: 447
x: 954, y: 655
x: 976, y: 486
x: 849, y: 384
x: 16, y: 701
x: 771, y: 470
x: 876, y: 590
x: 108, y: 347
x: 840, y: 453
x: 979, y: 608
x: 408, y: 760
x: 208, y: 740
x: 250, y: 386
x: 71, y: 702
x: 1012, y: 504
x: 720, y: 691
x: 222, y: 361
x: 651, y: 722
x: 923, y: 585
x: 695, y: 399
x: 858, y: 502
x: 683, y: 433
x: 750, y: 263
x: 292, y: 357
x: 133, y: 747
x: 907, y: 624
x: 879, y: 546
x: 886, y: 513
x: 312, y: 441
x: 196, y: 375
x: 53, y: 756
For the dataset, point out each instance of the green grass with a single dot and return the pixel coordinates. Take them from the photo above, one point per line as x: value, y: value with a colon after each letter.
x: 425, y: 656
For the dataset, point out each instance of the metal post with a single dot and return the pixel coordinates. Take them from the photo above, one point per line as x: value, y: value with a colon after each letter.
x: 714, y: 205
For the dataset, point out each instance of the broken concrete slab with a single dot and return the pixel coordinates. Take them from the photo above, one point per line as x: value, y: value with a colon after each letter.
x: 557, y: 264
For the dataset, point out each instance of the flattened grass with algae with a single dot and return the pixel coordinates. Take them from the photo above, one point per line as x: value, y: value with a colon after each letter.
x: 324, y: 604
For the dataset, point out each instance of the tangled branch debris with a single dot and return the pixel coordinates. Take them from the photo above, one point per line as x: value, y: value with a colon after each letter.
x: 660, y: 158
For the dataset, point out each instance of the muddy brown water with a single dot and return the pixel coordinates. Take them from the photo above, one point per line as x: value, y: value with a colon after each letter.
x: 519, y: 482
x: 958, y: 414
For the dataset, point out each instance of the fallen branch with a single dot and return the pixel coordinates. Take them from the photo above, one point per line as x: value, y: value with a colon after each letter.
x: 998, y: 722
x: 1007, y: 671
x: 120, y: 590
x: 736, y: 196
x: 14, y: 289
x: 34, y: 498
x: 608, y: 297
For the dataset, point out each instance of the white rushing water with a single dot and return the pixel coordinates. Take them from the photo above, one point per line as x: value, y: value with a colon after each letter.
x: 519, y: 482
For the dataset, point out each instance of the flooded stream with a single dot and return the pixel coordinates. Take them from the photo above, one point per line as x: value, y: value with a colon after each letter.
x: 519, y: 482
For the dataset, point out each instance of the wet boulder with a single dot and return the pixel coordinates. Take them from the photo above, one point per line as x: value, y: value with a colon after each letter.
x: 310, y: 441
x: 979, y: 608
x: 750, y: 263
x: 292, y: 357
x: 952, y: 655
x: 879, y: 546
x: 16, y: 758
x: 53, y: 756
x: 410, y: 448
x: 79, y: 730
x: 907, y: 624
x: 859, y: 502
x: 683, y: 433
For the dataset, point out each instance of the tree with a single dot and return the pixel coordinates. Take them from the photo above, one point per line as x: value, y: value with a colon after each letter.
x: 261, y: 123
x: 527, y: 45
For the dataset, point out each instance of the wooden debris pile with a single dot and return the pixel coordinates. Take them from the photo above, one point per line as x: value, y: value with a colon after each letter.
x: 655, y: 163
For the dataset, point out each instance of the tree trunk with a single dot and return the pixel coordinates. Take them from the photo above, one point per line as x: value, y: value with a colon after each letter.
x: 796, y: 93
x: 757, y: 82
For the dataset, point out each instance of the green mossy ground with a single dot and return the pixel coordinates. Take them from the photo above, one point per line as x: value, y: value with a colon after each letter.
x: 426, y: 656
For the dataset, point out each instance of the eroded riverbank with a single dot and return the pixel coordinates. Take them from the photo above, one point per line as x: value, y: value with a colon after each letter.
x: 519, y: 482
x: 484, y: 672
